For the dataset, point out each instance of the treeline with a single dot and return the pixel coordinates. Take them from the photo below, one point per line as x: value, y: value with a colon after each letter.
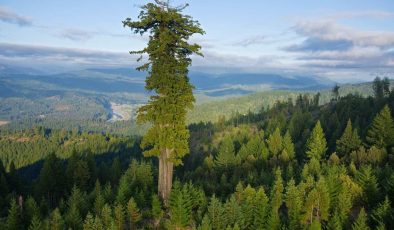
x: 297, y: 165
x: 212, y: 111
x: 22, y: 148
x: 124, y: 128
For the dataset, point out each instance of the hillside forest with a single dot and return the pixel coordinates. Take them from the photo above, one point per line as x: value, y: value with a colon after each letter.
x: 296, y: 165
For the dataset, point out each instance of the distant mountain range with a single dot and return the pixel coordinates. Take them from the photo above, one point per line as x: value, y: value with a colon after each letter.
x: 16, y: 81
x: 28, y: 95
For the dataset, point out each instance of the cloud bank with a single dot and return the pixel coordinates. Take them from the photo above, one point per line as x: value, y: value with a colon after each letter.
x: 8, y: 16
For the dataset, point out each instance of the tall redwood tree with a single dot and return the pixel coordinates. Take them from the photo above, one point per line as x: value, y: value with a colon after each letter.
x: 168, y: 52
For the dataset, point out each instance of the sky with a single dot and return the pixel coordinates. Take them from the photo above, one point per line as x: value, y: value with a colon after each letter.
x: 345, y: 41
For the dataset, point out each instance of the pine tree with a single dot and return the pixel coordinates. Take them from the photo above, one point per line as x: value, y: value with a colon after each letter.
x: 226, y: 155
x: 180, y: 206
x: 233, y: 212
x: 56, y: 220
x: 350, y: 141
x: 206, y: 224
x: 276, y: 201
x: 361, y: 221
x: 35, y: 224
x: 157, y: 212
x: 316, y: 144
x: 377, y: 87
x: 99, y: 202
x: 133, y: 213
x: 247, y: 205
x: 73, y: 217
x: 216, y: 214
x: 31, y: 209
x: 293, y: 201
x: 382, y: 214
x: 76, y: 208
x: 381, y: 132
x: 369, y: 184
x: 275, y: 142
x: 335, y: 223
x: 106, y: 216
x: 168, y: 50
x: 88, y: 224
x: 51, y: 179
x: 123, y: 190
x: 261, y: 209
x: 288, y: 146
x: 13, y: 218
x: 119, y: 214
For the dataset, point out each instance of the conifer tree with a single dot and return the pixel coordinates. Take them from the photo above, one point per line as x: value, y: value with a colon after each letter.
x: 381, y: 132
x: 288, y: 146
x: 51, y: 179
x: 361, y: 221
x: 180, y: 206
x: 260, y: 210
x: 316, y: 144
x: 216, y: 214
x: 335, y: 223
x: 157, y: 212
x: 106, y: 216
x: 13, y: 218
x: 276, y: 201
x: 119, y: 215
x: 99, y: 202
x: 133, y: 213
x: 31, y: 209
x: 275, y: 142
x: 206, y: 224
x: 369, y: 184
x: 226, y: 155
x: 233, y: 212
x: 294, y: 204
x: 88, y: 224
x: 382, y: 214
x: 56, y: 220
x: 76, y: 208
x: 350, y: 141
x: 168, y: 50
x: 35, y: 224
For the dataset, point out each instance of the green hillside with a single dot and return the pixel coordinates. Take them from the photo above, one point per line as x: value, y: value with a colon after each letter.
x: 211, y: 111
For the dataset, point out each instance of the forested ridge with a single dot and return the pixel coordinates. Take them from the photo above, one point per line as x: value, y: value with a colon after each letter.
x: 297, y: 165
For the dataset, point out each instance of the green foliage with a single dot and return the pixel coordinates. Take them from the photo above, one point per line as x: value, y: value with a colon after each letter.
x: 119, y: 216
x: 56, y: 221
x: 13, y: 218
x: 215, y: 214
x: 168, y: 50
x: 382, y: 129
x: 320, y: 193
x: 275, y: 142
x: 293, y: 199
x: 180, y: 206
x: 316, y: 144
x: 35, y: 223
x: 382, y: 214
x: 361, y: 221
x: 133, y: 213
x: 260, y: 209
x: 157, y: 212
x: 369, y: 184
x: 225, y: 158
x: 350, y: 141
x: 31, y: 209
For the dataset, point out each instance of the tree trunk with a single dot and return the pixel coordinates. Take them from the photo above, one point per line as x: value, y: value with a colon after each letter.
x: 166, y: 169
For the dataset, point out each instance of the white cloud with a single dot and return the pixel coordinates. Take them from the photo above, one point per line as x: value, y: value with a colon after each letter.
x: 8, y: 16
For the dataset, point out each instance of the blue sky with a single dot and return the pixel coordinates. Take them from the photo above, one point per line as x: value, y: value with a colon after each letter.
x: 343, y: 40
